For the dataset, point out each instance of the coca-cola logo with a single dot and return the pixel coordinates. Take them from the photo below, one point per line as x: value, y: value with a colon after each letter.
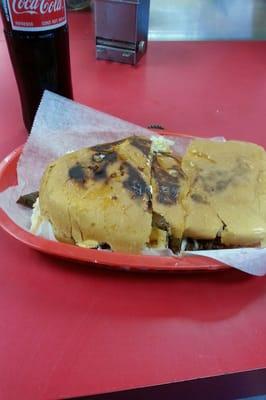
x: 36, y: 15
x: 37, y: 6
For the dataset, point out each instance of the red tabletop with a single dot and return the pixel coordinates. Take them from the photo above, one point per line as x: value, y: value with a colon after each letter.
x: 68, y: 329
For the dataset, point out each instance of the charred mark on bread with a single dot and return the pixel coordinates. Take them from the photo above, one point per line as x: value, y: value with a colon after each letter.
x: 77, y: 173
x: 198, y: 198
x: 167, y: 182
x: 218, y: 180
x: 143, y: 144
x: 104, y: 157
x: 135, y: 183
x: 212, y: 186
x: 100, y: 162
x: 105, y: 147
x: 100, y: 168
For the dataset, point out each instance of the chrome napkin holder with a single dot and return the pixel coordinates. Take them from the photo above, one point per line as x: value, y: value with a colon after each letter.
x: 121, y: 29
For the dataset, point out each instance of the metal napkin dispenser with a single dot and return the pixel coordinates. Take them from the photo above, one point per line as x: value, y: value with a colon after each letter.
x: 121, y: 29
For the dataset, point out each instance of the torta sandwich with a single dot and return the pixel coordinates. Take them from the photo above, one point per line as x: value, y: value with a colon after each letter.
x: 135, y: 194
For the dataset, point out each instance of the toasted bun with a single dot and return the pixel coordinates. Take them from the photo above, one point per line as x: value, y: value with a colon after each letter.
x: 101, y: 194
x: 227, y: 195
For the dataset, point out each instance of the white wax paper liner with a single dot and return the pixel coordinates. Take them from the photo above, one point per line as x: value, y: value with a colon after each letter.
x: 62, y: 125
x: 249, y: 260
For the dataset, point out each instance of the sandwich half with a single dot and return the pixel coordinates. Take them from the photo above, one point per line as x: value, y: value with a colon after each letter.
x: 101, y: 196
x: 226, y: 202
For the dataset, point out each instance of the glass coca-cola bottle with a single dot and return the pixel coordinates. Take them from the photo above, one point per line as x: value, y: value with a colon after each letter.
x: 36, y: 33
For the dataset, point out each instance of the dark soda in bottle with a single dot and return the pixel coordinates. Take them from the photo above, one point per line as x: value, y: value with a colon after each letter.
x: 36, y: 33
